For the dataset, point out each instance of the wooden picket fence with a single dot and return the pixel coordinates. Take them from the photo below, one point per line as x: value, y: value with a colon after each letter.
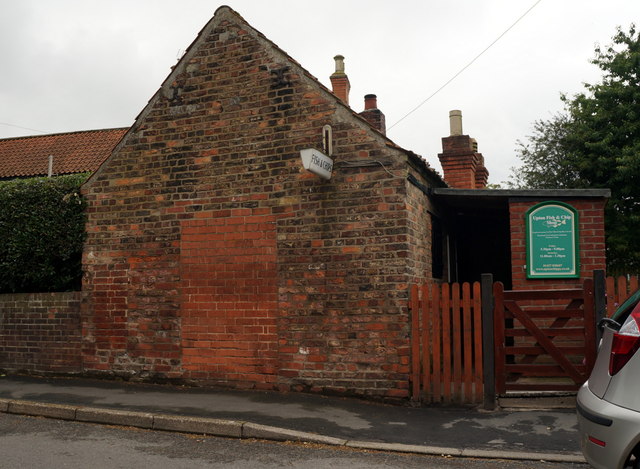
x: 618, y: 289
x: 446, y: 343
x: 447, y: 339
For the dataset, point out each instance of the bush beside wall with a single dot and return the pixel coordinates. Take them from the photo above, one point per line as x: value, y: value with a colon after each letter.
x: 42, y: 228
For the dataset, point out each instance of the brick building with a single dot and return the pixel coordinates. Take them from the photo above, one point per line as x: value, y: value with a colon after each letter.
x: 486, y: 230
x: 214, y: 256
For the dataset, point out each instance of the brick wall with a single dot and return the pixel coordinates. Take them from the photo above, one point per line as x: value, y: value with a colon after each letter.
x: 40, y: 332
x: 342, y: 257
x: 230, y: 298
x: 591, y: 243
x: 419, y: 224
x: 212, y: 255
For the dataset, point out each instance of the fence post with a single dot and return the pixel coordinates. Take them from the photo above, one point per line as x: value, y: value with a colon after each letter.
x: 488, y: 352
x: 414, y: 307
x: 599, y: 299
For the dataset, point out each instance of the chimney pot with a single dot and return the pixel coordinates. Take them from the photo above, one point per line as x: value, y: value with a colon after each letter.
x: 455, y: 122
x: 370, y: 101
x: 339, y: 64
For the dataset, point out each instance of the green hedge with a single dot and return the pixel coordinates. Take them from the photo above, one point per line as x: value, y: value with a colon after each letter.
x: 42, y: 229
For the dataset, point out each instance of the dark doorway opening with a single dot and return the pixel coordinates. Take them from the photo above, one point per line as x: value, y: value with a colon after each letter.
x: 482, y: 245
x: 478, y: 237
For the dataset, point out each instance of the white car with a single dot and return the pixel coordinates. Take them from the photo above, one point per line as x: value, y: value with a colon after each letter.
x: 608, y: 403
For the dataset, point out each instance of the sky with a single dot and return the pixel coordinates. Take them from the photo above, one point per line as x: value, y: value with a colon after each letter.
x: 68, y: 65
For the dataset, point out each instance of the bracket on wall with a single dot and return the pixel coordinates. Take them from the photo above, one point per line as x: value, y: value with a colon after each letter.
x: 327, y: 140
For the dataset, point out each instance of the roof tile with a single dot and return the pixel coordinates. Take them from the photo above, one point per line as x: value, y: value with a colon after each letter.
x: 73, y: 152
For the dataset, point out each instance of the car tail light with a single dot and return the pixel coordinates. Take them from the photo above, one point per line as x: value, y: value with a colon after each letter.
x: 625, y: 342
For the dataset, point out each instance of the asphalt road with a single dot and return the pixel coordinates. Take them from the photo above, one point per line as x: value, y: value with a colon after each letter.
x: 39, y: 443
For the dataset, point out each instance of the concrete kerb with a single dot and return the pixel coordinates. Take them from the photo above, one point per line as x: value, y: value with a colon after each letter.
x: 401, y: 448
x: 265, y: 432
x: 115, y: 417
x: 467, y: 453
x: 239, y: 429
x: 523, y: 456
x: 54, y: 411
x: 4, y: 405
x: 204, y: 426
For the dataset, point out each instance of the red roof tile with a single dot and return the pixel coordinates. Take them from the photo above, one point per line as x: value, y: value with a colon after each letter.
x: 73, y: 152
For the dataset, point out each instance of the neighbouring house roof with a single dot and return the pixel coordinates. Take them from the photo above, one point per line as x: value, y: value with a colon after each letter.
x: 73, y: 152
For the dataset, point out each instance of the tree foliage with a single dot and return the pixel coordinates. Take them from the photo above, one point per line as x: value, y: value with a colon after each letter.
x: 545, y: 158
x: 595, y: 143
x: 42, y: 228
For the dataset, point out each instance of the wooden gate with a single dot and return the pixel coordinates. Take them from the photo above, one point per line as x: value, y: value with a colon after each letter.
x: 464, y: 344
x: 544, y: 339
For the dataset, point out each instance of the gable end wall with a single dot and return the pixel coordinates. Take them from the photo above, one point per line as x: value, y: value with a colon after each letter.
x: 212, y: 256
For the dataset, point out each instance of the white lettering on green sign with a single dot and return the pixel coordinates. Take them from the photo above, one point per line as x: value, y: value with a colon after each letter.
x: 552, y: 241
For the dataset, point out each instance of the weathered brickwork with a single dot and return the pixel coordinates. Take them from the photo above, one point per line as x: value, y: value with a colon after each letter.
x: 462, y: 165
x: 591, y: 243
x: 420, y: 211
x: 40, y: 332
x: 212, y: 255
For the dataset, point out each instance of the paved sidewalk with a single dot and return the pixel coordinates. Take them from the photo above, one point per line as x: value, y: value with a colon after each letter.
x: 549, y: 435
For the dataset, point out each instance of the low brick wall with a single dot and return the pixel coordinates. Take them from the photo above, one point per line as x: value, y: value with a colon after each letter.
x: 40, y: 332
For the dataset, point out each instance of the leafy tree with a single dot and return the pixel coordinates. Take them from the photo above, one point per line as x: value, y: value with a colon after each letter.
x: 595, y: 143
x: 545, y: 156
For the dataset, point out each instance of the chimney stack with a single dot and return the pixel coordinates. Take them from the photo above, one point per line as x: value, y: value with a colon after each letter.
x: 372, y: 114
x: 340, y: 80
x: 462, y: 165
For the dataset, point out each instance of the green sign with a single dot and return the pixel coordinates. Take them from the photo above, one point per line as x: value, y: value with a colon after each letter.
x: 552, y: 241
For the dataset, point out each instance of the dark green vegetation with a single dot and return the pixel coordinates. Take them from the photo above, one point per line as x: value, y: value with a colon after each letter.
x: 42, y: 228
